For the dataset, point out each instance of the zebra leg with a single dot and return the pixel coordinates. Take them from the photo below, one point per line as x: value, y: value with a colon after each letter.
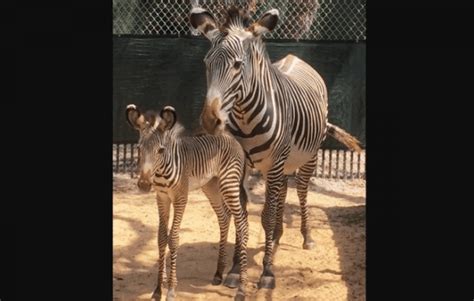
x: 173, y: 240
x: 275, y: 178
x: 232, y: 279
x: 244, y: 183
x: 242, y: 226
x: 211, y: 190
x: 278, y: 232
x: 244, y: 198
x: 302, y: 180
x: 230, y: 194
x: 164, y: 213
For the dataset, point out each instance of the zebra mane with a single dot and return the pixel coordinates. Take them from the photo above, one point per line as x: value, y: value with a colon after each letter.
x: 175, y: 132
x: 236, y: 18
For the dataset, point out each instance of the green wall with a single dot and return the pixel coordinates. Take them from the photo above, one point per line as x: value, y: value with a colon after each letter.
x: 154, y: 72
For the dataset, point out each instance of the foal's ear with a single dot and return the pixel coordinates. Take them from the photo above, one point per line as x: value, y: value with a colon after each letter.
x: 134, y: 118
x: 204, y: 21
x: 168, y: 118
x: 266, y: 23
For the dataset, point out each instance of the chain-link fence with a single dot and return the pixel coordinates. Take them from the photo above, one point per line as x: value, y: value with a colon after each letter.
x: 334, y: 20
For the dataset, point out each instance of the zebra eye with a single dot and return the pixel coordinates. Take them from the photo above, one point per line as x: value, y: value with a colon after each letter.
x: 161, y: 150
x: 237, y: 64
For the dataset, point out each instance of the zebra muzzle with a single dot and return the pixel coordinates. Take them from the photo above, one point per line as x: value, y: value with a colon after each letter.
x: 144, y: 185
x: 211, y: 119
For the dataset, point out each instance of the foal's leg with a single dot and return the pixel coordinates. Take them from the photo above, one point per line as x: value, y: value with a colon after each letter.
x: 211, y: 190
x: 164, y: 213
x: 232, y: 279
x: 231, y: 195
x: 179, y: 204
x: 233, y: 276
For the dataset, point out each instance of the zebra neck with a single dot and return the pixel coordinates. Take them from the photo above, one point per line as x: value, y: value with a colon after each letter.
x: 254, y: 113
x: 258, y: 81
x: 191, y: 150
x: 176, y: 158
x: 259, y: 86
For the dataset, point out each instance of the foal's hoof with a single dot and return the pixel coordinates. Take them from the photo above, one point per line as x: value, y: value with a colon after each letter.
x: 232, y: 280
x: 309, y: 245
x: 239, y: 297
x: 156, y: 296
x: 217, y: 280
x: 171, y: 295
x: 267, y: 282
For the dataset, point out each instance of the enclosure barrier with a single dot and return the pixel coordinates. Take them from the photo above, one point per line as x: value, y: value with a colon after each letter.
x: 330, y: 20
x: 331, y: 163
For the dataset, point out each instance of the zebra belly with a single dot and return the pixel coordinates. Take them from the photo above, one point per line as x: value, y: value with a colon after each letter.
x: 263, y: 165
x: 295, y: 160
x: 198, y: 182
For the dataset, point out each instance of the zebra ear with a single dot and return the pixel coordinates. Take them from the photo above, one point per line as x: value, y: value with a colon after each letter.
x: 168, y: 118
x: 266, y: 23
x: 134, y: 118
x: 203, y: 21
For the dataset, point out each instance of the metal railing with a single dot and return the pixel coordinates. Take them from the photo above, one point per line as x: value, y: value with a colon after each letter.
x: 331, y: 164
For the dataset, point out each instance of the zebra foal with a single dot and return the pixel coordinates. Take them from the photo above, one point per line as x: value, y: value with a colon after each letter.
x: 174, y: 165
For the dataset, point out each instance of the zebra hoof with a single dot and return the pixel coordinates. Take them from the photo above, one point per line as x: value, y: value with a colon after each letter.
x: 309, y: 245
x: 217, y: 280
x: 156, y: 296
x: 232, y: 280
x: 267, y: 282
x: 239, y: 297
x: 171, y: 295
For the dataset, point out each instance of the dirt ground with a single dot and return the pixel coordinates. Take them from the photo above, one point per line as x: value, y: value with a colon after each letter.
x: 333, y: 270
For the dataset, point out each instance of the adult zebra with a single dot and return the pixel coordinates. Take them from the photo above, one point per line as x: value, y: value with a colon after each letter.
x: 278, y: 112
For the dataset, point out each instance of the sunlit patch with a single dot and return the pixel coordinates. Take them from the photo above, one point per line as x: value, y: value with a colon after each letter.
x: 333, y: 270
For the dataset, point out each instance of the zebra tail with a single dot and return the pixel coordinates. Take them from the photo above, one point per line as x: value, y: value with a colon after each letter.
x: 344, y: 137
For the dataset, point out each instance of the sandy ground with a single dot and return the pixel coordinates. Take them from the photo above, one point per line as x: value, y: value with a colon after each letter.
x: 333, y: 270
